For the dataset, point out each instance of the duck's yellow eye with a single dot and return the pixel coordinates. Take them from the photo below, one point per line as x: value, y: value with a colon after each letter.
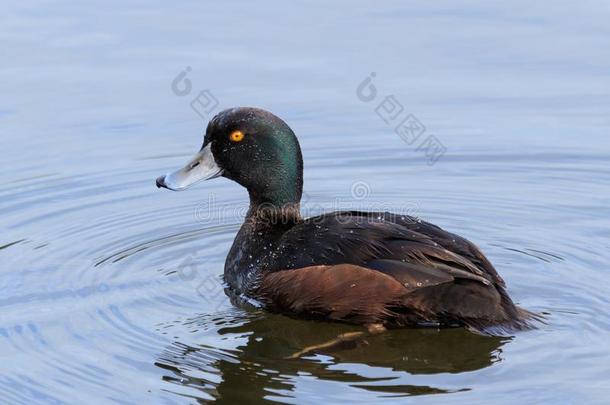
x: 237, y: 136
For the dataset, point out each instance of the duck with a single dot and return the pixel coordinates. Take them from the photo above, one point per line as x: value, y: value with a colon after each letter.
x: 379, y: 270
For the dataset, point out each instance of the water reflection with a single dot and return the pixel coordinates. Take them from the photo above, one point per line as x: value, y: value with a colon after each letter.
x: 257, y: 368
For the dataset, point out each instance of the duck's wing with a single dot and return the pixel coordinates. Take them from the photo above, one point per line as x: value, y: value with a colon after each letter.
x: 450, y: 241
x: 362, y: 238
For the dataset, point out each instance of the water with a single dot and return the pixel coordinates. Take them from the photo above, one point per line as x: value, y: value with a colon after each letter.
x: 111, y: 290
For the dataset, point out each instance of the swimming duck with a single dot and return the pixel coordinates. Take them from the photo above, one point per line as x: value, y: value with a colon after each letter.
x: 376, y: 269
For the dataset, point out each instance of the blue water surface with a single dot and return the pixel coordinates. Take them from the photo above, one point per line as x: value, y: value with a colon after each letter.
x: 489, y: 119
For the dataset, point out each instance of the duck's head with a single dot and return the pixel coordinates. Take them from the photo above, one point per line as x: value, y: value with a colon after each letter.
x: 252, y: 147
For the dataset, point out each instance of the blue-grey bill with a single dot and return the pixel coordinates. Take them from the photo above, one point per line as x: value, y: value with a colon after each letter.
x: 202, y: 167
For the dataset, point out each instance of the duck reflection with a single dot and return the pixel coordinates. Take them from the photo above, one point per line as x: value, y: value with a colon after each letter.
x: 256, y: 367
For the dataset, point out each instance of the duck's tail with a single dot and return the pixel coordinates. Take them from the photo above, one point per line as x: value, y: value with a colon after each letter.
x: 521, y: 320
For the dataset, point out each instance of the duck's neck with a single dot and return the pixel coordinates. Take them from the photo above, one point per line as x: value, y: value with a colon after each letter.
x: 257, y: 239
x: 268, y: 215
x: 279, y: 198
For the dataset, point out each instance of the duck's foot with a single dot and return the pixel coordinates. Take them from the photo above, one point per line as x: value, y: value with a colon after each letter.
x: 344, y: 341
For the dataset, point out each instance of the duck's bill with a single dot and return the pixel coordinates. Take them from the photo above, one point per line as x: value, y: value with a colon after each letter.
x: 201, y: 167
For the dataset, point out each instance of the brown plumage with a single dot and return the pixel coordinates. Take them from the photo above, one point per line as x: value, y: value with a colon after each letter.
x: 343, y: 292
x: 355, y: 294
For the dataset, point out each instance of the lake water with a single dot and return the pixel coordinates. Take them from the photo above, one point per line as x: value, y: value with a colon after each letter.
x: 111, y: 290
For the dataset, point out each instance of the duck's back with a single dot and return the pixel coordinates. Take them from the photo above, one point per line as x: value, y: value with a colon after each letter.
x: 385, y: 268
